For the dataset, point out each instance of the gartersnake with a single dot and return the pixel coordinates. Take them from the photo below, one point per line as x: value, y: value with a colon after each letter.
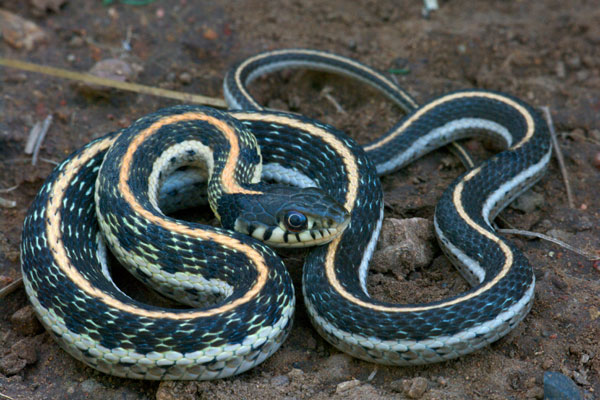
x: 71, y: 290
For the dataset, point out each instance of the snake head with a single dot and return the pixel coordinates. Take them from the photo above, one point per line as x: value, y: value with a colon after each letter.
x: 284, y: 216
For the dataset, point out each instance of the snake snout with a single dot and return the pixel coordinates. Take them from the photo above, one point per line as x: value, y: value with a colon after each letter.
x: 294, y: 217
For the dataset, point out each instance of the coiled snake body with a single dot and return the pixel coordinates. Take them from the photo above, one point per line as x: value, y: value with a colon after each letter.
x: 242, y: 294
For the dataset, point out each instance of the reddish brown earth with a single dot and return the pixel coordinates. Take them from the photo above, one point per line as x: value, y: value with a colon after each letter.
x: 545, y: 52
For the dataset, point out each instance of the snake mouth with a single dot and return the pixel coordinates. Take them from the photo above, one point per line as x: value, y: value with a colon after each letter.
x: 318, y: 231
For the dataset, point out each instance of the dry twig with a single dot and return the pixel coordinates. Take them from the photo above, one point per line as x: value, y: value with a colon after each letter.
x: 96, y: 80
x: 326, y: 93
x: 36, y: 137
x: 11, y: 287
x: 567, y: 246
x: 559, y: 155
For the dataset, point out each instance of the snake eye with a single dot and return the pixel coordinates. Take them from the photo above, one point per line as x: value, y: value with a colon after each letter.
x: 295, y: 221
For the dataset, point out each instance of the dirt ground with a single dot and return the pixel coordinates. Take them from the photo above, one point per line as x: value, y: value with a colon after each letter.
x: 545, y: 52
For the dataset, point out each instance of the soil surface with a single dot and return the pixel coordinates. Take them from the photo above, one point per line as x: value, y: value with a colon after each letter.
x: 546, y: 52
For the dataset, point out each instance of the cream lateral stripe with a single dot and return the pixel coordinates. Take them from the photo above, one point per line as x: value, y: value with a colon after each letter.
x: 59, y: 253
x: 241, y: 85
x: 526, y: 115
x: 227, y: 176
x: 457, y: 199
x: 327, y: 137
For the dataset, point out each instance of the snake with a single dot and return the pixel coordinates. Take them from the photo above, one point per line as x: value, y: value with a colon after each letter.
x: 118, y: 192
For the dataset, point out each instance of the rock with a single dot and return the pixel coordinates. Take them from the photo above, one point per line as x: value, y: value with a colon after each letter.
x: 559, y: 234
x: 441, y: 381
x: 404, y: 245
x: 11, y: 364
x: 26, y: 350
x: 347, y: 385
x: 528, y: 201
x: 76, y: 41
x: 295, y: 373
x: 19, y: 32
x: 581, y: 377
x: 25, y: 322
x: 583, y: 223
x: 559, y: 387
x: 413, y: 388
x: 111, y: 68
x: 417, y: 388
x: 399, y: 385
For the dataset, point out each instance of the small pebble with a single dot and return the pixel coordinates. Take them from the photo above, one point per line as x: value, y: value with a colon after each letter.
x: 25, y: 322
x: 417, y: 388
x: 404, y: 245
x: 397, y: 386
x: 11, y: 364
x: 185, y: 78
x: 559, y: 387
x: 528, y: 202
x: 347, y: 385
x: 76, y: 41
x: 25, y: 349
x: 547, y: 364
x: 337, y: 367
x: 559, y: 234
x: 295, y: 373
x: 581, y: 378
x: 280, y: 380
x: 210, y: 34
x: 111, y: 68
x: 585, y: 358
